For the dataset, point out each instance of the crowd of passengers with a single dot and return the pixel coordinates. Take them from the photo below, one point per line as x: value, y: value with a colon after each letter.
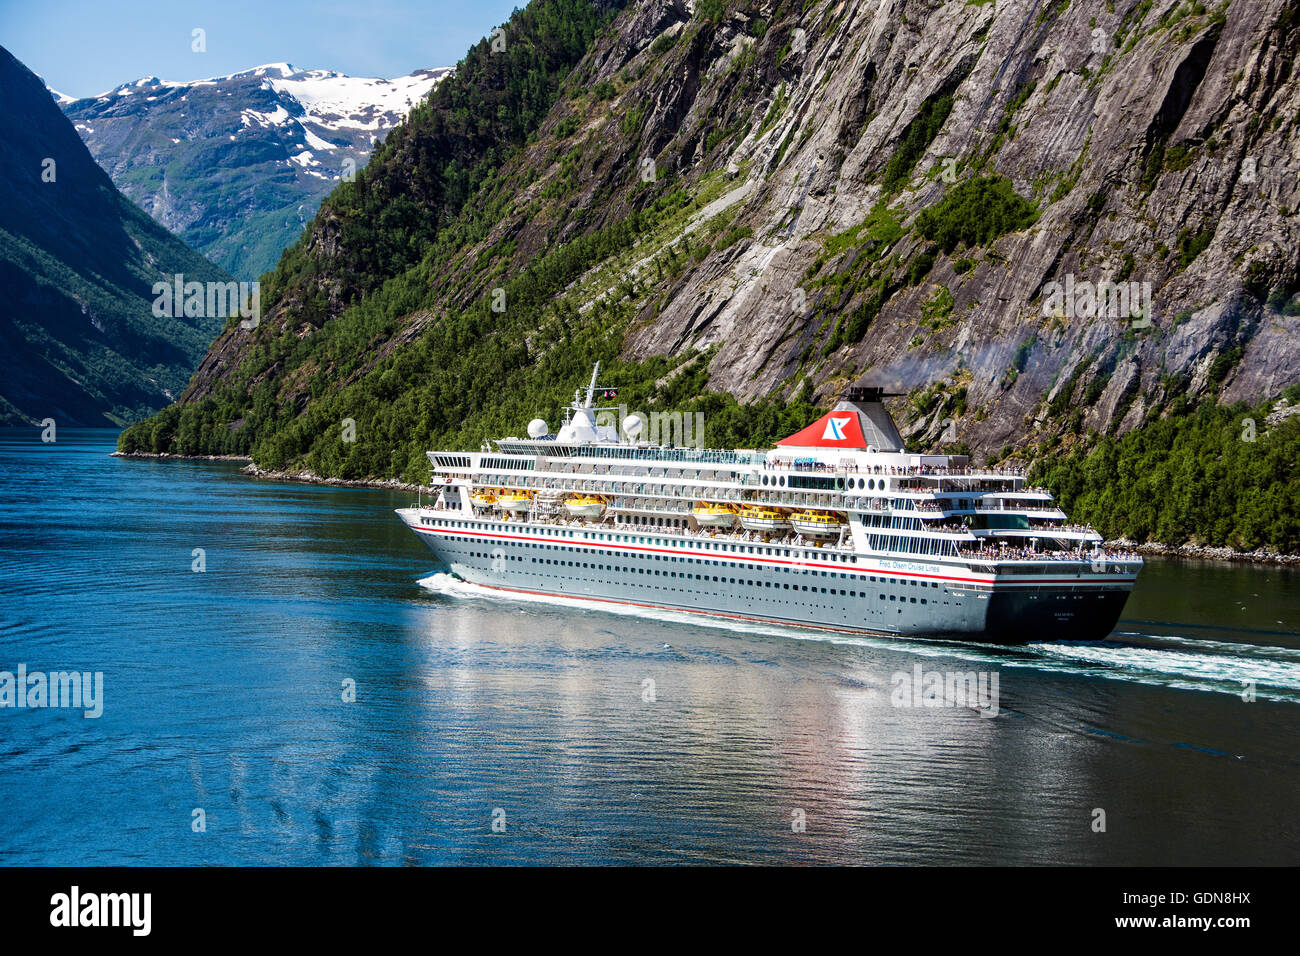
x: 1010, y: 553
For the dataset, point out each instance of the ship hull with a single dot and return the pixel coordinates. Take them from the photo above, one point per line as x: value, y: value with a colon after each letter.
x: 664, y: 575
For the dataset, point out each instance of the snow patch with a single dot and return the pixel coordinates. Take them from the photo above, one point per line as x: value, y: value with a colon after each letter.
x: 315, y: 142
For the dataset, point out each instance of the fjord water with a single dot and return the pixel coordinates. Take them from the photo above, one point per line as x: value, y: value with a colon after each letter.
x: 223, y: 692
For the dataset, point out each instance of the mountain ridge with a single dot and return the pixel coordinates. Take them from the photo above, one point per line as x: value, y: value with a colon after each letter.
x: 237, y: 164
x: 77, y: 265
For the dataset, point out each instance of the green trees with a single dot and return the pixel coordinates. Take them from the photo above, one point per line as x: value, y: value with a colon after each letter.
x: 975, y: 212
x: 1194, y: 478
x: 417, y: 183
x: 918, y: 135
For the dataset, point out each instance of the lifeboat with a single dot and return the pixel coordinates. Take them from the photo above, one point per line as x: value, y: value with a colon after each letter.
x: 483, y: 499
x: 516, y: 502
x: 767, y: 520
x: 713, y: 515
x: 584, y: 506
x: 816, y: 524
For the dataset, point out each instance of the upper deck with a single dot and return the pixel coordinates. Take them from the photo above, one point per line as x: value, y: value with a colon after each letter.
x: 850, y: 466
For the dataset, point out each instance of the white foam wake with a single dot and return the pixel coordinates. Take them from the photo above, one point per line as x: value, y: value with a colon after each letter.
x: 1186, y: 663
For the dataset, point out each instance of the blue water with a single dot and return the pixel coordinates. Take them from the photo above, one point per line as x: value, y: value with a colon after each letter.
x: 223, y: 692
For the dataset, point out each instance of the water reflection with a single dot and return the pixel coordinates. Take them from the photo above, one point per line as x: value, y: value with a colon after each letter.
x: 225, y: 692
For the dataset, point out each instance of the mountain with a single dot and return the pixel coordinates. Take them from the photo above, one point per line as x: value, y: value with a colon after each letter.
x: 237, y: 165
x: 79, y: 342
x: 740, y: 207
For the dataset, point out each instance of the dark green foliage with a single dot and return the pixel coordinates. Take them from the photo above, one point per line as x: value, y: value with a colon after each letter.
x: 975, y: 212
x: 663, y: 43
x: 1284, y: 301
x: 1023, y: 351
x: 1223, y: 364
x: 1126, y: 267
x: 1190, y: 246
x: 711, y: 11
x: 473, y: 375
x: 920, y: 266
x: 916, y: 138
x: 417, y: 182
x: 1152, y: 165
x: 78, y: 261
x: 733, y: 235
x: 1189, y: 478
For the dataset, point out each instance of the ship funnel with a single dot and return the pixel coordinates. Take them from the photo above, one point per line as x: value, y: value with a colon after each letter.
x: 858, y: 421
x: 877, y: 424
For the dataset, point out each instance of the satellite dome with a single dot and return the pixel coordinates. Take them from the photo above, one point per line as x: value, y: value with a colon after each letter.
x: 537, y: 428
x: 632, y: 426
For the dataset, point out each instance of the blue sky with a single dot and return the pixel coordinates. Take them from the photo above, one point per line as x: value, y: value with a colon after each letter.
x: 84, y: 47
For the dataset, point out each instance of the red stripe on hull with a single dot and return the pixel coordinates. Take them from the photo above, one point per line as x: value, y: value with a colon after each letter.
x: 610, y: 546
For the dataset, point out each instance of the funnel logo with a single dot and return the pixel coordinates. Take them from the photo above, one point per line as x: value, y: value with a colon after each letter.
x: 834, y: 429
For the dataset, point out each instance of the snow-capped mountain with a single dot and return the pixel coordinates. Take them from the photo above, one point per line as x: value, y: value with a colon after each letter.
x: 235, y: 165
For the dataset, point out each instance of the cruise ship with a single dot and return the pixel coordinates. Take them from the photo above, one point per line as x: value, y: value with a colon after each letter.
x: 837, y: 528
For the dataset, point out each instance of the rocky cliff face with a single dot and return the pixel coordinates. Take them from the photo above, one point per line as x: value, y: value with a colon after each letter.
x: 1157, y: 140
x: 237, y: 165
x: 927, y: 195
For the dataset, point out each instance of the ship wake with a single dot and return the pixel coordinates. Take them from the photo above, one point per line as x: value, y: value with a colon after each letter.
x: 1266, y: 671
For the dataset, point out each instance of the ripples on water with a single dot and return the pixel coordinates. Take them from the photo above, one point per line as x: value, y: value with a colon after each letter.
x: 223, y: 692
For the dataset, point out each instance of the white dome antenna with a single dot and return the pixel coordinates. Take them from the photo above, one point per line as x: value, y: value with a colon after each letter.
x: 632, y: 426
x: 537, y: 428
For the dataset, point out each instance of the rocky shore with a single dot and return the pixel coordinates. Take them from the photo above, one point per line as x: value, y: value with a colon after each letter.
x: 1202, y: 553
x: 154, y: 454
x: 390, y: 484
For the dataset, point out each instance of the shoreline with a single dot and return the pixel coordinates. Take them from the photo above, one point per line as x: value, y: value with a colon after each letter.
x: 164, y: 455
x: 1155, y: 549
x: 1198, y: 552
x: 310, y: 478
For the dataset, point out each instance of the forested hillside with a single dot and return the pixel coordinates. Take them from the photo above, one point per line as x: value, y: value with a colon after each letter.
x: 741, y: 207
x: 79, y: 343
